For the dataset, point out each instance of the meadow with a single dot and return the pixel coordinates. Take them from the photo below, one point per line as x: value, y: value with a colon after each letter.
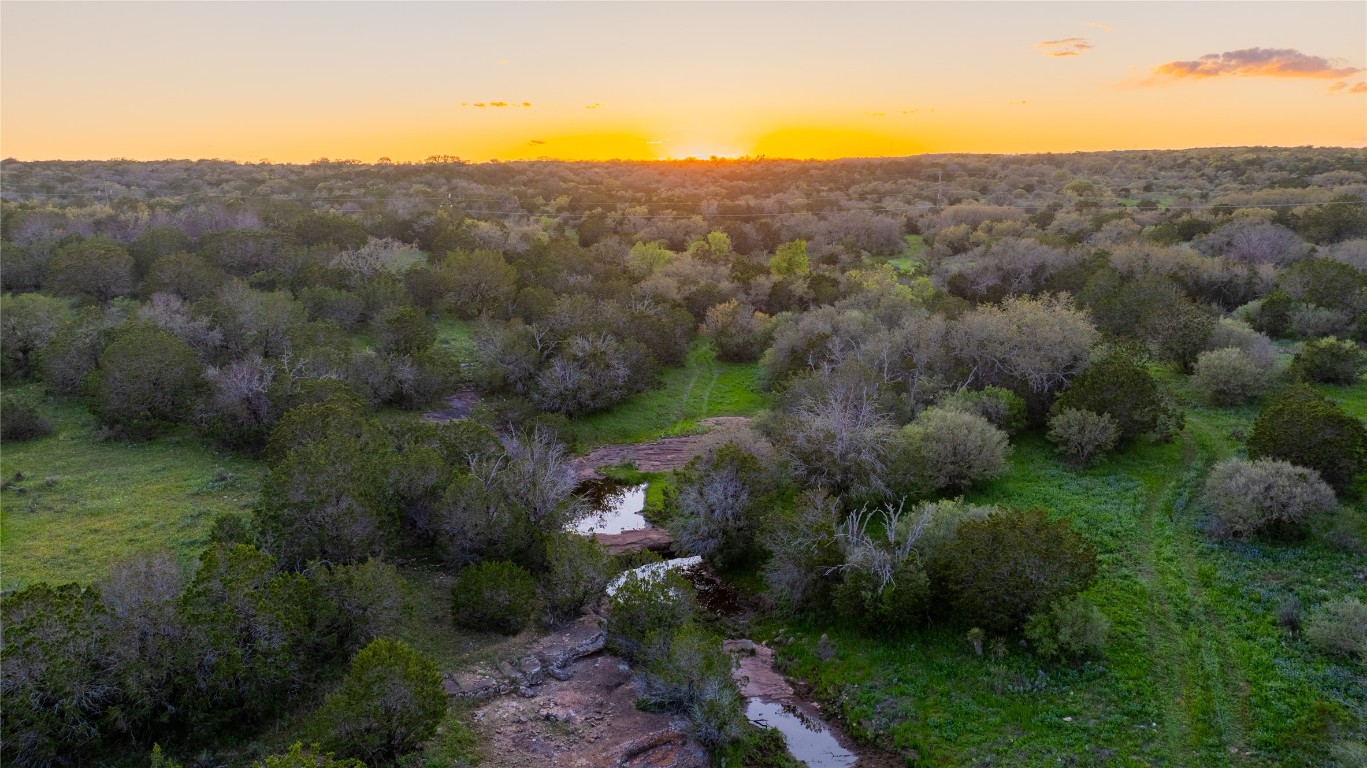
x: 1198, y: 671
x: 703, y: 387
x: 73, y: 503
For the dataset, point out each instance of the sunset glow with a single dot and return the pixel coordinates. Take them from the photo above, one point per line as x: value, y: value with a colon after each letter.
x: 293, y: 82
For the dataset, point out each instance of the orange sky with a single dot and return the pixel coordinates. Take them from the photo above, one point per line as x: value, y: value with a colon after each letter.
x: 293, y: 82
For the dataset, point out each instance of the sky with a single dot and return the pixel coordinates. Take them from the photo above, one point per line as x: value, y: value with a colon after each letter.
x: 299, y: 81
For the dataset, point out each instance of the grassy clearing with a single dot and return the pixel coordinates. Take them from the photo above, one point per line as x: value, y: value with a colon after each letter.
x: 910, y: 260
x: 457, y: 338
x: 1198, y: 671
x: 85, y: 504
x: 702, y: 388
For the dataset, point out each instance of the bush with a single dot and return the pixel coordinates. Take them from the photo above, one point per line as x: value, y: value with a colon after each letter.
x: 20, y: 420
x: 999, y: 571
x: 1001, y: 407
x: 739, y: 333
x: 147, y: 379
x: 494, y: 597
x: 389, y: 703
x: 890, y: 607
x: 1330, y: 361
x: 717, y: 505
x: 1249, y: 497
x: 686, y: 671
x: 1071, y: 628
x: 577, y: 570
x: 300, y: 757
x: 1229, y: 376
x: 1340, y: 628
x: 804, y: 552
x: 1118, y: 384
x: 1309, y: 430
x: 949, y: 449
x: 1083, y: 436
x: 648, y: 604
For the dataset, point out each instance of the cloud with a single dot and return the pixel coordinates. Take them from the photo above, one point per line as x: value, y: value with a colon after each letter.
x: 1337, y: 87
x: 1358, y: 88
x: 1017, y: 103
x: 536, y: 141
x: 593, y: 106
x: 1101, y: 25
x: 1345, y: 88
x: 875, y: 114
x: 1067, y: 46
x: 1254, y: 62
x: 502, y: 62
x: 486, y: 104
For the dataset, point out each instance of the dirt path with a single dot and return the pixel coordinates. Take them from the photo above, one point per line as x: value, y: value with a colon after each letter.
x: 666, y: 453
x: 1198, y: 686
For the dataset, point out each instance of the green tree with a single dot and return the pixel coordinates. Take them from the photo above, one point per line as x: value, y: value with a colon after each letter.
x: 1117, y: 384
x: 999, y: 571
x: 790, y: 259
x: 55, y: 694
x: 147, y: 379
x: 403, y: 330
x: 389, y: 703
x: 1308, y: 429
x: 325, y: 500
x: 98, y: 269
x: 27, y: 323
x: 493, y: 597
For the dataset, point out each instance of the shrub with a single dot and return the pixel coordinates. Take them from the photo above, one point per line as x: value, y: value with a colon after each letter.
x: 28, y: 322
x: 1229, y: 376
x: 1071, y: 628
x: 389, y: 703
x: 804, y: 552
x: 999, y: 571
x: 20, y: 420
x: 1002, y: 407
x: 686, y: 671
x: 98, y: 269
x: 493, y: 597
x: 147, y: 379
x: 739, y: 333
x: 1082, y: 435
x: 717, y: 504
x: 949, y: 449
x: 1118, y: 384
x: 647, y: 604
x: 301, y: 757
x: 1309, y: 430
x: 577, y: 570
x: 939, y: 522
x: 1340, y: 628
x: 892, y: 606
x: 1330, y: 361
x: 1308, y: 321
x: 1250, y: 497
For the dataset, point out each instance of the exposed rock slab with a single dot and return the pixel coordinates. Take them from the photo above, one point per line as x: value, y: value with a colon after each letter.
x: 652, y: 538
x: 457, y: 406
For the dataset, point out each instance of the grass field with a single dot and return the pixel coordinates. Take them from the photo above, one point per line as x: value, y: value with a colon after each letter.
x: 457, y: 337
x: 1198, y: 671
x: 703, y: 387
x: 83, y: 504
x: 910, y: 259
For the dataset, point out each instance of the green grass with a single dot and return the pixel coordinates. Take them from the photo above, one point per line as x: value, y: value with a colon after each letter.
x: 84, y: 504
x: 702, y: 388
x: 1197, y: 672
x: 910, y: 260
x: 457, y: 337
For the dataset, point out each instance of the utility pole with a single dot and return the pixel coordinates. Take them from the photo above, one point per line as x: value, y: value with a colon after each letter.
x: 939, y: 187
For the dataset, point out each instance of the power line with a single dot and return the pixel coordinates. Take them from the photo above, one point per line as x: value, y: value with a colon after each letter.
x: 877, y: 208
